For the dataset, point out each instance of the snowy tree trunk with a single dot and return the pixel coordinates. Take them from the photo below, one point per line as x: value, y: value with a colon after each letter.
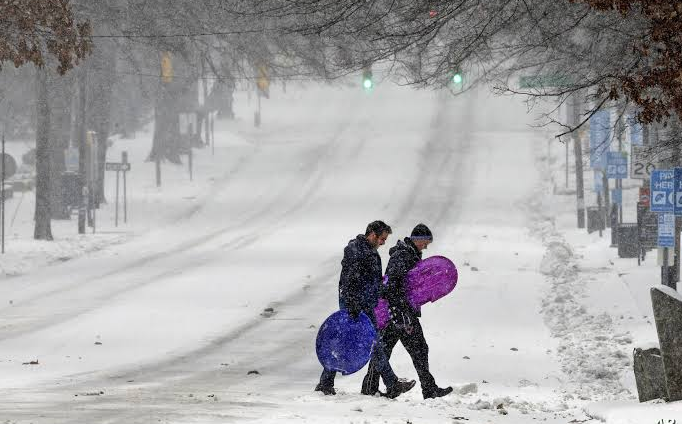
x: 60, y: 133
x: 167, y: 139
x: 102, y: 85
x: 43, y: 229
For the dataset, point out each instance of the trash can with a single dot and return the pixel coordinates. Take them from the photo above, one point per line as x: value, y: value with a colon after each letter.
x: 595, y: 219
x: 628, y: 240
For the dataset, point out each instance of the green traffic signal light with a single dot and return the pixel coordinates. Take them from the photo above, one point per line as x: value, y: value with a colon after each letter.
x: 457, y: 78
x: 367, y: 81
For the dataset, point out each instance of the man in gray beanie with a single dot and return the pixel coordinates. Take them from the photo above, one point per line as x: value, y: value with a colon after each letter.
x: 404, y: 324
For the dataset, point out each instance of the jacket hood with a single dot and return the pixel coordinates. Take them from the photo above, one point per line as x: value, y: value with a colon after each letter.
x: 406, y: 245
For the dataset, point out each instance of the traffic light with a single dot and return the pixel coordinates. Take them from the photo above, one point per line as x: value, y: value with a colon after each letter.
x: 367, y: 82
x: 456, y: 79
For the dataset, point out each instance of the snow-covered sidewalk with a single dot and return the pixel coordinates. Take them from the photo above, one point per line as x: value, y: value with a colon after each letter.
x: 600, y: 309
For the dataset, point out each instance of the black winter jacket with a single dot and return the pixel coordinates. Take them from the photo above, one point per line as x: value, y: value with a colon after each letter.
x: 404, y: 256
x: 360, y: 276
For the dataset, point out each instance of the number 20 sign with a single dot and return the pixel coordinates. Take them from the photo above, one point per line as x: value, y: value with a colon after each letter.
x: 642, y: 164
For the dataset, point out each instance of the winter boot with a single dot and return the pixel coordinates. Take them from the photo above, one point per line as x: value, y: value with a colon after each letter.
x: 436, y: 392
x: 401, y: 386
x: 326, y: 390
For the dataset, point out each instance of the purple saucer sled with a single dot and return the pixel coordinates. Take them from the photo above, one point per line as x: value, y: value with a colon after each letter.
x: 429, y: 280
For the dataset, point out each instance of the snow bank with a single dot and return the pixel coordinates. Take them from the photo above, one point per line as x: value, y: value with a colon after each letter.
x: 592, y: 355
x: 655, y: 411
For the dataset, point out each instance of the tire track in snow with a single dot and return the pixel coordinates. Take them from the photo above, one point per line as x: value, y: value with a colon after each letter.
x: 198, y: 370
x: 284, y: 349
x: 437, y: 198
x: 314, y: 166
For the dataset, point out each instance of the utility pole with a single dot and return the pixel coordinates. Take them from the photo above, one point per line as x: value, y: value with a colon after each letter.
x: 2, y: 193
x: 578, y: 153
x: 675, y: 158
x: 82, y: 150
x: 567, y: 142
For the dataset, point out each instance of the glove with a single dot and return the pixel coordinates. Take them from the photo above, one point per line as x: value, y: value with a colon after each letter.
x: 400, y: 319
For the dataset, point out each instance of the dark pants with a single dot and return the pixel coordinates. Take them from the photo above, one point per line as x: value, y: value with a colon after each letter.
x: 416, y: 346
x: 379, y: 359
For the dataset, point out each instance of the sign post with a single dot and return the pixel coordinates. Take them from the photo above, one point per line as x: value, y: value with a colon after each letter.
x: 617, y: 168
x: 119, y: 167
x: 663, y: 202
x: 124, y: 161
x: 666, y: 240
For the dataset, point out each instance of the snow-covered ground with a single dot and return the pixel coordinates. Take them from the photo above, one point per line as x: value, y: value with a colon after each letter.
x: 163, y: 319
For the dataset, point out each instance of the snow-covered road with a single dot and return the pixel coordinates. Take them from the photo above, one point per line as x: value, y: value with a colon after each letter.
x: 169, y: 326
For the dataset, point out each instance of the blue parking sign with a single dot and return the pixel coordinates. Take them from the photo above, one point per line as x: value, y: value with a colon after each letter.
x: 666, y: 230
x: 617, y: 165
x: 663, y: 190
x: 600, y: 137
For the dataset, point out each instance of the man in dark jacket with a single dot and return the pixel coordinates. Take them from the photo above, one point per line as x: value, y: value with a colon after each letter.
x: 404, y: 324
x: 359, y: 292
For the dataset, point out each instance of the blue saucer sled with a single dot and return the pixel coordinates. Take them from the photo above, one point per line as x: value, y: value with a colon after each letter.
x: 344, y: 344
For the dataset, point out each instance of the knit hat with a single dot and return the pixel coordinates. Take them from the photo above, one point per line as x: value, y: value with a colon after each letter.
x: 421, y: 232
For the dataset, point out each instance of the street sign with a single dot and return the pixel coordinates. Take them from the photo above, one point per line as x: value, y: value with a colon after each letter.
x: 617, y: 165
x: 642, y: 165
x: 117, y: 166
x: 166, y: 68
x: 600, y: 137
x: 617, y: 196
x: 663, y: 190
x: 544, y: 81
x: 636, y: 131
x: 645, y: 196
x: 666, y: 230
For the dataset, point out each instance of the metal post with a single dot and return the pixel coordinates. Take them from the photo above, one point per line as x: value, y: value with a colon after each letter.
x: 578, y: 153
x: 607, y: 199
x: 212, y: 136
x: 189, y: 148
x: 601, y: 214
x: 2, y: 192
x: 158, y: 171
x: 676, y: 264
x: 619, y: 182
x: 82, y: 152
x: 566, y: 142
x: 116, y: 213
x: 124, y: 160
x: 665, y: 273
